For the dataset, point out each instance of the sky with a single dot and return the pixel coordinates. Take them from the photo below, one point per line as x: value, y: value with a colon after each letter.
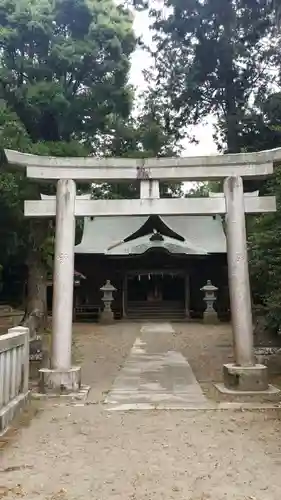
x: 141, y: 61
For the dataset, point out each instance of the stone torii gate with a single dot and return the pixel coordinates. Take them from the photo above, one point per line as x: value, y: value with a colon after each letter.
x: 244, y: 374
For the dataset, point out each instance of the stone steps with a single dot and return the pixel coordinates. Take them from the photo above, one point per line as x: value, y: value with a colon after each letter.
x: 148, y: 315
x: 164, y: 310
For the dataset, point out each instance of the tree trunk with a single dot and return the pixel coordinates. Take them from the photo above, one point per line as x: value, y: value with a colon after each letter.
x: 37, y: 283
x: 37, y: 273
x: 231, y: 116
x: 232, y: 129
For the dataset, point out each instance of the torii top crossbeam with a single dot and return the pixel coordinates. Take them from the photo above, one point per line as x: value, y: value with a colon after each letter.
x: 89, y: 169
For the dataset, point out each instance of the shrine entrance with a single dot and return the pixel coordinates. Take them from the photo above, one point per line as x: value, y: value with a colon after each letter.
x: 155, y: 286
x: 155, y: 293
x: 244, y: 374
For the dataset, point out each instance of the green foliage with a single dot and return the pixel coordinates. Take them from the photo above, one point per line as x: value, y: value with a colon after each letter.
x: 64, y: 65
x: 214, y: 58
x: 200, y: 189
x: 211, y: 59
x: 15, y: 231
x: 63, y: 82
x: 263, y: 131
x: 262, y: 125
x: 265, y: 257
x: 64, y: 91
x: 145, y: 135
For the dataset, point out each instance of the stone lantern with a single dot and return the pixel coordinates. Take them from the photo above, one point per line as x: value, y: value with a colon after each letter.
x: 210, y: 315
x: 107, y: 290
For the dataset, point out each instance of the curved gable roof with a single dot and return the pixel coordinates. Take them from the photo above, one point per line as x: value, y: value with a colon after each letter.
x: 145, y: 243
x: 155, y: 223
x: 106, y: 235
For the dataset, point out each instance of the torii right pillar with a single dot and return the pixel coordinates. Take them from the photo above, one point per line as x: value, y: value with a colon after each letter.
x: 243, y: 374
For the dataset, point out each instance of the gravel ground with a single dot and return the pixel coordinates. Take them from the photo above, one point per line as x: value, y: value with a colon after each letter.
x: 72, y: 453
x: 101, y: 351
x: 85, y: 452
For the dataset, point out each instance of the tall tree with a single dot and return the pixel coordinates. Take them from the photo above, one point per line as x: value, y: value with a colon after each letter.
x: 213, y: 58
x: 263, y: 131
x: 64, y: 65
x: 63, y: 75
x: 265, y: 258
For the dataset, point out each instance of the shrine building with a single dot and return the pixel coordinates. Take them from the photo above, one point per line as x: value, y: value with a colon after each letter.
x: 157, y: 265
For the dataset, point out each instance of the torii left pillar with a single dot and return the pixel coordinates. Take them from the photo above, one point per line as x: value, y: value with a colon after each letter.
x: 62, y: 376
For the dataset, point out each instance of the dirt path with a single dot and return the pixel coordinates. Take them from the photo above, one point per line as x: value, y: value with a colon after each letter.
x: 86, y: 452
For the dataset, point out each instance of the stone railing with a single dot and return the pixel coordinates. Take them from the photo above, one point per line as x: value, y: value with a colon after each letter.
x: 14, y: 372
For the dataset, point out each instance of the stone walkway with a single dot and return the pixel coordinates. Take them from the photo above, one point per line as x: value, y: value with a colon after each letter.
x: 154, y: 378
x: 77, y: 451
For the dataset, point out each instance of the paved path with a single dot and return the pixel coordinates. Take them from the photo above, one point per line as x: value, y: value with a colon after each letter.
x: 154, y: 376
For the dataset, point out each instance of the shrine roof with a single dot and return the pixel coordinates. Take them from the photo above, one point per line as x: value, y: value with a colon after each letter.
x: 200, y: 235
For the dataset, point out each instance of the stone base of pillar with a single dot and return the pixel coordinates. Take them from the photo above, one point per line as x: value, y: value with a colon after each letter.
x: 107, y: 317
x: 245, y: 378
x: 60, y: 381
x: 211, y: 318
